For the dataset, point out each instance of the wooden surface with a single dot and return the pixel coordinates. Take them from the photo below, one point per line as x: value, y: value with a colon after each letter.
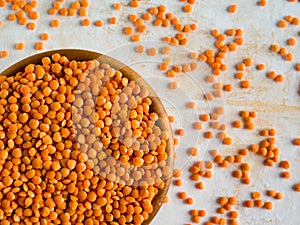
x: 157, y: 106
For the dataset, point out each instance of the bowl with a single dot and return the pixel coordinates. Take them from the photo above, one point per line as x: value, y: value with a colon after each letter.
x: 157, y: 106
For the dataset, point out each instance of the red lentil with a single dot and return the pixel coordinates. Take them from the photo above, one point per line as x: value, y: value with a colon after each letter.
x: 233, y: 8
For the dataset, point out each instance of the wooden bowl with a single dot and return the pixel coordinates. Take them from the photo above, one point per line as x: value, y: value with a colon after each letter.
x: 157, y: 106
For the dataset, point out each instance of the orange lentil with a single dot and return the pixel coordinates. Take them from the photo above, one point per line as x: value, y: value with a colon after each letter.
x: 283, y: 51
x: 12, y: 17
x: 233, y: 214
x: 173, y: 85
x: 2, y: 3
x: 44, y: 36
x: 288, y: 18
x: 171, y: 119
x: 198, y: 125
x: 269, y: 162
x: 244, y: 114
x: 232, y: 200
x: 295, y: 21
x: 20, y: 46
x: 272, y: 132
x: 241, y: 67
x: 83, y: 12
x: 296, y: 141
x: 262, y: 3
x: 182, y: 195
x: 32, y: 15
x: 134, y: 3
x: 55, y: 23
x: 284, y: 164
x: 128, y: 30
x: 180, y: 132
x: 208, y: 134
x: 248, y: 203
x: 39, y: 46
x: 221, y: 210
x: 245, y: 167
x: 296, y: 187
x: 147, y: 16
x: 85, y: 22
x: 275, y: 48
x: 239, y: 32
x: 264, y: 133
x: 260, y: 66
x: 227, y: 141
x: 135, y: 38
x: 209, y: 96
x: 230, y: 32
x: 140, y: 49
x: 162, y: 8
x: 271, y: 74
x: 189, y: 201
x: 199, y: 185
x: 177, y: 173
x: 286, y: 175
x: 4, y: 54
x: 271, y: 193
x: 239, y: 41
x: 165, y: 50
x: 157, y: 22
x: 153, y: 11
x: 166, y: 200
x: 177, y: 182
x: 215, y: 219
x: 31, y: 26
x: 227, y: 87
x: 193, y: 151
x: 117, y: 6
x: 268, y: 205
x: 282, y: 24
x: 98, y: 23
x: 232, y: 46
x: 215, y: 33
x: 63, y: 11
x: 248, y: 62
x: 22, y: 21
x: 278, y: 196
x: 243, y: 152
x: 206, y: 117
x: 232, y: 8
x: 171, y: 73
x: 245, y: 84
x: 238, y: 158
x: 191, y: 105
x: 255, y: 195
x: 112, y: 20
x: 193, y: 26
x: 292, y: 41
x: 52, y: 11
x: 187, y: 8
x: 279, y: 78
x: 166, y: 39
x: 259, y: 203
x: 222, y: 200
x: 208, y: 174
x: 57, y: 5
x: 152, y: 51
x: 237, y: 124
x: 230, y: 159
